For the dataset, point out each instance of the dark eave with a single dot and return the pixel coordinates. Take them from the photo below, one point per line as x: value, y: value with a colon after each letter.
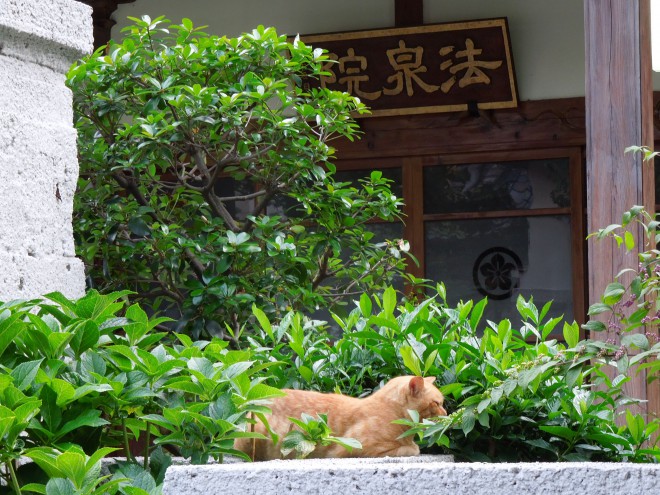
x: 101, y: 17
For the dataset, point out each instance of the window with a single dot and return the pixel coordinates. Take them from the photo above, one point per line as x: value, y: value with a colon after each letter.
x: 495, y: 225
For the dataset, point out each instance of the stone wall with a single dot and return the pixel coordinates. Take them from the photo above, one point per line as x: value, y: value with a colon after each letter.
x: 39, y: 40
x: 414, y: 475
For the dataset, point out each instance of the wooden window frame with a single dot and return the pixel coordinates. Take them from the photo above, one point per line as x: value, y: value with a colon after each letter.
x: 412, y: 168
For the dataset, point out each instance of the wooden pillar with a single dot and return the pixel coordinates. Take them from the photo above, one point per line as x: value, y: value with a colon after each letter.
x: 618, y: 114
x: 408, y: 13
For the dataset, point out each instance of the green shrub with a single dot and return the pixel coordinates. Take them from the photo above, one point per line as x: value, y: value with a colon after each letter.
x: 631, y: 304
x: 207, y: 183
x: 515, y: 393
x: 79, y: 380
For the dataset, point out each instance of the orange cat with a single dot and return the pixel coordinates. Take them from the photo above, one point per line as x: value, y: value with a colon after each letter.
x: 368, y: 420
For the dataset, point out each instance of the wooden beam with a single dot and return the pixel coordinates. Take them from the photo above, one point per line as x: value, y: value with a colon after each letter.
x: 533, y: 125
x: 408, y: 13
x: 618, y: 114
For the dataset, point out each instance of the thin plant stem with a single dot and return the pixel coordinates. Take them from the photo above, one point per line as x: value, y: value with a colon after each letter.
x: 14, y: 479
x: 145, y: 461
x: 127, y: 449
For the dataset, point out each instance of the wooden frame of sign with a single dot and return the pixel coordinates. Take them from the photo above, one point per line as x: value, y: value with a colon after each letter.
x: 423, y: 69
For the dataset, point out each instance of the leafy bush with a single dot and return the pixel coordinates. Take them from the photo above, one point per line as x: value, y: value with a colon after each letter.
x: 514, y: 392
x: 631, y: 304
x: 206, y: 182
x: 78, y: 381
x: 312, y: 432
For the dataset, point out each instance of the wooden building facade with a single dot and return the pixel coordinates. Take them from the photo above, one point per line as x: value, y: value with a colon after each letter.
x: 499, y: 201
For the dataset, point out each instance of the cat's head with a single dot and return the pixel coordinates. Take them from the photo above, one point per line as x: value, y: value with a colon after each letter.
x: 421, y: 395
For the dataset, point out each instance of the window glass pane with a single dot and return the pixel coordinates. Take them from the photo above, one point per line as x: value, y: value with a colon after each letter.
x: 285, y: 206
x: 501, y: 258
x: 385, y: 231
x: 516, y: 185
x: 227, y: 188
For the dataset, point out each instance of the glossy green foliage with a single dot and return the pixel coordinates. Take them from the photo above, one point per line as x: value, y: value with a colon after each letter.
x: 312, y: 432
x: 630, y: 307
x: 513, y: 391
x: 207, y: 183
x: 82, y: 379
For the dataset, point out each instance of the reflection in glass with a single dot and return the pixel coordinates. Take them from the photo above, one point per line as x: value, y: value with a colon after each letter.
x: 285, y: 206
x: 519, y: 185
x: 227, y: 188
x: 502, y: 258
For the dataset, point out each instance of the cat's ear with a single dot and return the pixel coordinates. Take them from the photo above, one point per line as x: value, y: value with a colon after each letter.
x: 416, y: 385
x: 430, y: 380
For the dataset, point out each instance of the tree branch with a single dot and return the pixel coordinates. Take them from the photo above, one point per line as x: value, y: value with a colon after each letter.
x: 130, y: 185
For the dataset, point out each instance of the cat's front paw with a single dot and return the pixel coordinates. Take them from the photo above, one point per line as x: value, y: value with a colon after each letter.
x: 403, y: 451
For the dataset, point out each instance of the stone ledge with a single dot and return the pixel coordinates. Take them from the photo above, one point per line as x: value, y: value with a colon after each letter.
x: 414, y: 475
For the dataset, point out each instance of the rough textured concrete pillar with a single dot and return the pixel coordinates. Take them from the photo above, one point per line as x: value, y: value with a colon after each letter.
x: 38, y: 157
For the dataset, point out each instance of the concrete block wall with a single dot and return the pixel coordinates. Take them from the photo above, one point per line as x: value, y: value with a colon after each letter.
x: 414, y: 476
x: 39, y: 40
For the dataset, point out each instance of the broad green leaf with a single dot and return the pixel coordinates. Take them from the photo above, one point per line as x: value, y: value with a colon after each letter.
x: 467, y: 421
x: 365, y: 305
x: 62, y: 300
x: 262, y: 391
x: 598, y: 308
x: 306, y: 373
x: 64, y: 391
x: 90, y: 388
x: 411, y: 360
x: 477, y: 313
x: 559, y: 431
x: 236, y: 369
x: 389, y: 302
x: 87, y: 418
x: 296, y: 441
x: 85, y: 335
x: 348, y: 443
x: 409, y: 318
x: 25, y: 373
x: 60, y: 486
x: 184, y: 384
x: 263, y: 321
x: 613, y: 293
x: 637, y: 340
x: 50, y: 411
x: 483, y: 405
x: 10, y: 328
x: 594, y: 326
x: 34, y: 488
x: 629, y: 240
x: 73, y: 466
x: 7, y: 420
x: 430, y: 360
x: 571, y: 334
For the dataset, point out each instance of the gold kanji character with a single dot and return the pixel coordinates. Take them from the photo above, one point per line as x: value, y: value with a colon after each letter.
x: 407, y: 62
x: 353, y: 66
x: 473, y: 73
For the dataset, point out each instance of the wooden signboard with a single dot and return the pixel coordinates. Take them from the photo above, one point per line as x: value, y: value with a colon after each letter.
x: 433, y: 68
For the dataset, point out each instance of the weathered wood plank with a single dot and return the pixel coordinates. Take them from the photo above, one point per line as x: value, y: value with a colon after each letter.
x: 538, y: 124
x: 618, y: 114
